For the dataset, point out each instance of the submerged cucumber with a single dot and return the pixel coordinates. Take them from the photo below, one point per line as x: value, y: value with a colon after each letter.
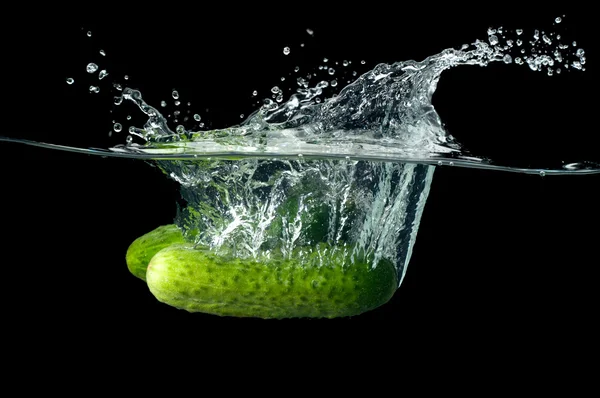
x: 141, y: 251
x: 198, y: 281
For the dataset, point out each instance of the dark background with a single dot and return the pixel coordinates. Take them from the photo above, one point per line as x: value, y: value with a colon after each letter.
x: 496, y: 252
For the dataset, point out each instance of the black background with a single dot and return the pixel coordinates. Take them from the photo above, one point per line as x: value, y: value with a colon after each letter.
x: 496, y: 252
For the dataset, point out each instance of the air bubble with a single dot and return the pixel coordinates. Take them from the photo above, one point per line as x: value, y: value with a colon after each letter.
x: 558, y: 20
x: 331, y: 71
x: 440, y: 163
x: 286, y: 50
x: 180, y: 129
x: 197, y: 117
x: 542, y: 173
x: 89, y: 33
x: 362, y: 62
x: 451, y: 163
x: 333, y: 83
x: 254, y: 93
x: 117, y: 127
x: 275, y: 89
x: 129, y: 139
x: 70, y: 80
x: 91, y: 67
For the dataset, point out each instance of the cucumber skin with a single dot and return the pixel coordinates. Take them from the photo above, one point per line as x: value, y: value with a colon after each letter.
x: 141, y: 250
x: 198, y: 281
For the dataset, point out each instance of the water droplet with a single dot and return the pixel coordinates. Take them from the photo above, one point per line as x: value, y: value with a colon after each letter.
x: 440, y: 163
x: 558, y: 37
x: 296, y: 69
x: 558, y: 71
x: 279, y: 98
x: 519, y: 32
x: 542, y: 173
x: 331, y: 71
x: 103, y: 73
x: 201, y: 124
x: 363, y: 62
x: 102, y: 53
x: 491, y: 31
x: 451, y: 163
x: 310, y: 32
x: 242, y: 116
x: 118, y: 87
x: 354, y: 73
x: 509, y: 43
x: 117, y: 127
x: 175, y: 94
x: 546, y: 39
x: 177, y: 103
x: 325, y: 60
x: 550, y: 72
x: 180, y: 129
x: 518, y: 61
x: 507, y: 59
x: 576, y: 64
x: 519, y: 42
x: 94, y: 89
x: 126, y: 77
x: 254, y: 93
x: 558, y: 20
x: 91, y: 67
x: 300, y: 155
x: 118, y: 100
x: 282, y: 79
x: 286, y: 50
x: 176, y: 113
x: 128, y: 117
x: 89, y: 33
x: 70, y: 80
x: 275, y: 90
x: 345, y: 63
x: 131, y: 129
x: 333, y: 83
x: 574, y: 44
x: 163, y: 103
x: 493, y: 40
x: 197, y: 117
x: 301, y: 44
x: 129, y: 139
x: 536, y: 34
x: 580, y: 52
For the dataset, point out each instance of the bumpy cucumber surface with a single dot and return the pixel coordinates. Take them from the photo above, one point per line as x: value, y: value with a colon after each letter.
x: 141, y: 251
x: 198, y: 281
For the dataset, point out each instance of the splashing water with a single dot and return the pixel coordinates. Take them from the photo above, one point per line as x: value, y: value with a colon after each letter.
x: 352, y: 172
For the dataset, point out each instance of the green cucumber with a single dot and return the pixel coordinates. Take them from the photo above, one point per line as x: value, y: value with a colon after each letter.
x: 141, y: 251
x: 197, y: 280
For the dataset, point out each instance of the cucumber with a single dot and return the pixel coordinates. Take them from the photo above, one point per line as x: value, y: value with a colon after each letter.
x: 146, y: 246
x: 197, y: 280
